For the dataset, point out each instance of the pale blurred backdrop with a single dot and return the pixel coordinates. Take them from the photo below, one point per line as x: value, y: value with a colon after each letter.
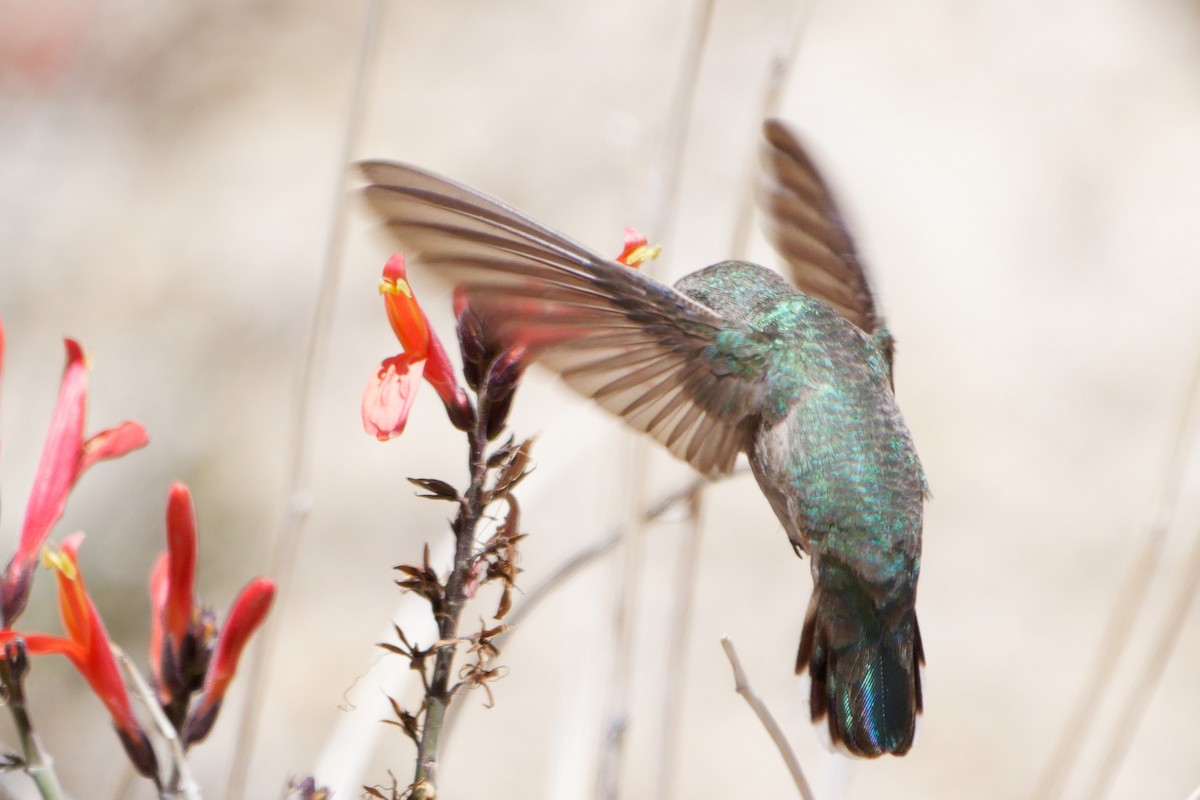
x: 1023, y: 177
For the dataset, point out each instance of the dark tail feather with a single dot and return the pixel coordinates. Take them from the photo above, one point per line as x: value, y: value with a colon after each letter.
x: 865, y: 668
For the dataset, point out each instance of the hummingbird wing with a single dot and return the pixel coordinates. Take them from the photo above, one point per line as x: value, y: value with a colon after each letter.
x: 805, y: 226
x: 641, y: 349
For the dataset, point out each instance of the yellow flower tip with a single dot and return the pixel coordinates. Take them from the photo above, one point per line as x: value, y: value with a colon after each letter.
x: 642, y: 255
x: 59, y: 561
x: 637, y: 250
x: 395, y: 286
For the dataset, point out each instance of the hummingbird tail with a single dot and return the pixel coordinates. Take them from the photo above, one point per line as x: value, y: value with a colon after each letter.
x: 865, y: 667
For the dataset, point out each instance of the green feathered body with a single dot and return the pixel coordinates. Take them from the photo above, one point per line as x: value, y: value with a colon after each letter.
x: 833, y: 456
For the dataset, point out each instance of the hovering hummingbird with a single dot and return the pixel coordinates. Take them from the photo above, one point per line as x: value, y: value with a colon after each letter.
x: 732, y: 359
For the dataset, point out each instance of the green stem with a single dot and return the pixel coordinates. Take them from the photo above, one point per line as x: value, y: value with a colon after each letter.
x: 438, y: 695
x: 38, y: 763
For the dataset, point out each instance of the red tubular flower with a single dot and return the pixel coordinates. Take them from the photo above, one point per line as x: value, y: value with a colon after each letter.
x: 187, y: 655
x: 245, y: 616
x: 181, y: 563
x: 88, y: 647
x: 390, y: 393
x: 65, y: 457
x: 172, y: 604
x: 636, y: 251
x: 56, y: 472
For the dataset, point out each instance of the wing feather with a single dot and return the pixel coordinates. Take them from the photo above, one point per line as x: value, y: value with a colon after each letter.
x: 641, y: 349
x: 807, y: 229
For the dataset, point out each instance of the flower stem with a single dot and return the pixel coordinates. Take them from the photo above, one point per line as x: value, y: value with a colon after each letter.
x: 437, y: 697
x: 180, y: 784
x: 38, y: 763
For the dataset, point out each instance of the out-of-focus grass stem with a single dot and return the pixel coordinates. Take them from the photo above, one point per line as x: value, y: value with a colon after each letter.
x: 298, y: 496
x: 664, y: 193
x: 1130, y: 599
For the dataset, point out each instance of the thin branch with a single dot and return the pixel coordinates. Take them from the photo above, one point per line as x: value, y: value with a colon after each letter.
x: 39, y: 765
x: 286, y: 546
x: 350, y: 745
x: 180, y: 785
x: 742, y: 687
x: 1130, y: 600
x: 440, y: 692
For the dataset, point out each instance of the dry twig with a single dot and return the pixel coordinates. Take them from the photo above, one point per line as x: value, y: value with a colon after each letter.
x: 742, y: 687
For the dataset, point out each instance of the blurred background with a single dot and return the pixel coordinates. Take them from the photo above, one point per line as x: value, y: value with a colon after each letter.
x: 1022, y: 177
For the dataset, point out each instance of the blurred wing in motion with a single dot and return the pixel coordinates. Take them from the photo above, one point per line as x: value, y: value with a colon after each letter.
x: 643, y: 350
x: 803, y: 223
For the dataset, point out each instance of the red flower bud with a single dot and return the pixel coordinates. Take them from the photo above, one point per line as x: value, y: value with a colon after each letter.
x: 245, y: 616
x: 181, y: 563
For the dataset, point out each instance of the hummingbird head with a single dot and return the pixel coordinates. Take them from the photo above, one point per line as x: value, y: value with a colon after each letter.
x: 737, y: 290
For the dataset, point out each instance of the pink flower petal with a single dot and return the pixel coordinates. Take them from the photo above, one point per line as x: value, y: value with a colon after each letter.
x: 112, y: 443
x: 158, y: 602
x: 60, y: 458
x: 633, y: 240
x: 389, y: 396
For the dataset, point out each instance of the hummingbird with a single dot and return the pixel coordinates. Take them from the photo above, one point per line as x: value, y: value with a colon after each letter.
x: 731, y: 359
